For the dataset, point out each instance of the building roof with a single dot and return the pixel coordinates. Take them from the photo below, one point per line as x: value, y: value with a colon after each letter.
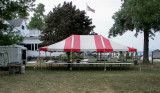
x: 157, y: 50
x: 31, y: 40
x: 15, y: 22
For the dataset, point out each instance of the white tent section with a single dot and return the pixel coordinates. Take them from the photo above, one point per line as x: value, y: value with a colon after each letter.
x: 57, y: 46
x: 118, y: 47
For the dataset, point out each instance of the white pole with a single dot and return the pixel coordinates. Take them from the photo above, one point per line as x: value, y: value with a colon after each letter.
x: 105, y: 62
x: 71, y: 61
x: 31, y: 46
x: 34, y: 47
x: 45, y: 53
x: 37, y: 46
x: 50, y: 56
x: 40, y: 60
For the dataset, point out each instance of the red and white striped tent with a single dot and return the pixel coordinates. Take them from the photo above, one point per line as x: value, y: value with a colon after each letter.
x: 84, y: 43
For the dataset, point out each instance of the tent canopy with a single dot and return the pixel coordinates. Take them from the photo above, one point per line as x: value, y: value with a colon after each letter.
x: 84, y: 43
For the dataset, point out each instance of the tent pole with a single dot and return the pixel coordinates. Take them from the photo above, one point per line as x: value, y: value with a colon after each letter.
x: 120, y: 57
x: 105, y: 62
x: 113, y: 54
x: 40, y: 60
x: 71, y: 56
x: 97, y: 56
x: 50, y: 56
x: 126, y: 55
x: 152, y: 57
x: 133, y: 56
x: 136, y: 56
x: 45, y: 54
x: 100, y: 55
x: 71, y: 60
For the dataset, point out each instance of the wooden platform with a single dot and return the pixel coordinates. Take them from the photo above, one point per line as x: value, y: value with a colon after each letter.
x: 51, y: 63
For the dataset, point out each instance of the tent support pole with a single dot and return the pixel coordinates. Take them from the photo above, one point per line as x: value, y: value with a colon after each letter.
x: 113, y: 54
x: 45, y: 54
x: 100, y: 55
x: 152, y: 57
x: 105, y: 62
x: 40, y: 60
x: 97, y: 56
x: 71, y: 61
x: 120, y: 57
x: 136, y: 55
x: 133, y: 56
x: 50, y: 56
x: 126, y: 55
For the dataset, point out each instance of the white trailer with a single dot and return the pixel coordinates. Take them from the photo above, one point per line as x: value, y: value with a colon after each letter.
x: 13, y: 54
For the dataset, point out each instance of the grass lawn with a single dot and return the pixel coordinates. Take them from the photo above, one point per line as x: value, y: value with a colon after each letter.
x: 82, y: 81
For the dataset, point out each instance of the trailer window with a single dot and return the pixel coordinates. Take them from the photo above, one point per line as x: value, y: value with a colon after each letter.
x: 23, y: 54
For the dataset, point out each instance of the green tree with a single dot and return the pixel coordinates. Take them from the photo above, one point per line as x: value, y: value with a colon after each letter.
x: 37, y: 21
x: 142, y: 16
x: 10, y: 37
x: 11, y: 9
x: 64, y: 21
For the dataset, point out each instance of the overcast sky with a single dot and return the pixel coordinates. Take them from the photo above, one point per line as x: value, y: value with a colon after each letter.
x: 102, y: 19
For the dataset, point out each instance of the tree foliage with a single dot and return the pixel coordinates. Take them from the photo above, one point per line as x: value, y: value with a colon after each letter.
x: 10, y: 37
x: 11, y: 9
x: 37, y: 21
x: 139, y: 15
x: 64, y: 21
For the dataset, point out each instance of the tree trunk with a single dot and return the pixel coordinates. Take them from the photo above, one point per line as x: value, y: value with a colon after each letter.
x: 146, y: 47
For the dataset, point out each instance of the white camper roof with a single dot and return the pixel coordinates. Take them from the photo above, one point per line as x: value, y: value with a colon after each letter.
x: 16, y: 46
